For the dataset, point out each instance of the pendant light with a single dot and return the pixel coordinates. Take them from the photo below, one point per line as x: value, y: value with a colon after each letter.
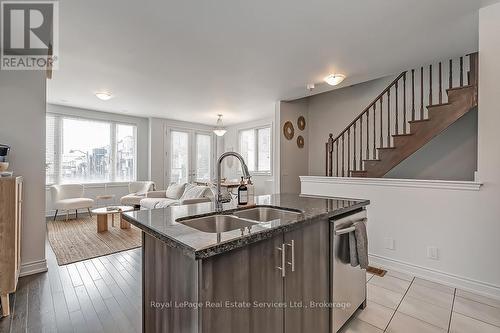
x: 219, y: 128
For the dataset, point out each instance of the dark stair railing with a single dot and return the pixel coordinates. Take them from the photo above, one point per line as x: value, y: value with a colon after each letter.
x: 388, y: 115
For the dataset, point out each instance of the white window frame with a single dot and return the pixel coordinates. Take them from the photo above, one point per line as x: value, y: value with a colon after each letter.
x: 58, y: 147
x: 271, y: 148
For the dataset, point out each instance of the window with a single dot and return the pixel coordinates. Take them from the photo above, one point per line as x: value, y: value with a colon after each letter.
x: 80, y: 150
x: 191, y: 156
x: 203, y: 154
x: 255, y: 147
x: 180, y: 157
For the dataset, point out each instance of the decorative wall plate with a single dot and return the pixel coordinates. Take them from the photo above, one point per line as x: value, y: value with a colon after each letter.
x: 301, y: 123
x: 288, y: 130
x: 300, y: 141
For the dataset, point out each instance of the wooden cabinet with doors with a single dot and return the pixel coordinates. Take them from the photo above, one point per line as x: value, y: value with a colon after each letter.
x: 11, y: 200
x: 307, y: 279
x: 264, y: 287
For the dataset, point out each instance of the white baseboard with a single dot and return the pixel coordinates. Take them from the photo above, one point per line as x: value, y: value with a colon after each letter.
x: 33, y: 267
x: 478, y: 287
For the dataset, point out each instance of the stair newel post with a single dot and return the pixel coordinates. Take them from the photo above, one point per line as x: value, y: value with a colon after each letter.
x: 389, y: 117
x: 430, y: 84
x: 348, y: 151
x: 343, y: 156
x: 361, y: 142
x: 412, y: 94
x: 450, y: 78
x: 396, y: 129
x: 440, y: 86
x: 330, y: 154
x: 381, y: 122
x: 404, y: 103
x: 337, y: 158
x: 326, y: 159
x: 374, y: 129
x: 368, y: 134
x: 421, y: 93
x: 354, y: 149
x: 461, y: 71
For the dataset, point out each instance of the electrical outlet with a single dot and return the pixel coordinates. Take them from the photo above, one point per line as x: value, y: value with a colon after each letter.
x: 390, y: 243
x: 433, y: 252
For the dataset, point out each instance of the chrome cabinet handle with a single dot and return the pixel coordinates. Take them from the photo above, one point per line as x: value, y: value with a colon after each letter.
x: 292, y: 245
x: 283, y: 260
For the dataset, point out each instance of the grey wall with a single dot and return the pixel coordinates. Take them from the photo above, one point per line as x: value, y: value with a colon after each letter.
x: 450, y: 156
x: 142, y: 131
x: 22, y: 126
x: 293, y: 161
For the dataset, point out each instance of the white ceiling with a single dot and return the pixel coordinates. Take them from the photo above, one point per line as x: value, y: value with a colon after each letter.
x: 191, y: 59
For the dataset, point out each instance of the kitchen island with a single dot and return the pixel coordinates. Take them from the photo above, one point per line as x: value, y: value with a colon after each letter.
x: 266, y: 268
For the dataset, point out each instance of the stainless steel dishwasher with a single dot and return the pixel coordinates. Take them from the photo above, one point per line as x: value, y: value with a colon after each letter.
x: 348, y: 283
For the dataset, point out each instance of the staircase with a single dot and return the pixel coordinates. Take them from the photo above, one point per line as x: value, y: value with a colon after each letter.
x: 396, y: 124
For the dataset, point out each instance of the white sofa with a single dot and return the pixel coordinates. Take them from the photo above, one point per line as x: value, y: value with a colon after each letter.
x: 69, y: 197
x: 136, y: 192
x: 177, y: 194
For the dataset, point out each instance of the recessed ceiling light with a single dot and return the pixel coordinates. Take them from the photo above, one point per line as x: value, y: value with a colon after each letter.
x: 334, y: 79
x: 104, y: 96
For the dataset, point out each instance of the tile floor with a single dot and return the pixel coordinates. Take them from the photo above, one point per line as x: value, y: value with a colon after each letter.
x: 400, y: 303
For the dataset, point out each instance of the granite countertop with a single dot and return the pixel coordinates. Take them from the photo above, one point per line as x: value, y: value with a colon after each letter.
x: 162, y: 223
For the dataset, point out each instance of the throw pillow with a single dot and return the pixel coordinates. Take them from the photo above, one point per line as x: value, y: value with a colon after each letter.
x: 175, y: 191
x: 194, y: 192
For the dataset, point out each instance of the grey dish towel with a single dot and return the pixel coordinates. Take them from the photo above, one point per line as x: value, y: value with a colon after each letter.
x: 353, y: 251
x: 353, y: 246
x: 344, y: 250
x: 361, y: 244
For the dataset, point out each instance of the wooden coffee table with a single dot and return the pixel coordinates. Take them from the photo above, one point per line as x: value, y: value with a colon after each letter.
x: 104, y: 213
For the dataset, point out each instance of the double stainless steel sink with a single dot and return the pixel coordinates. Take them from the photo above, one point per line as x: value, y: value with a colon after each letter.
x: 240, y: 219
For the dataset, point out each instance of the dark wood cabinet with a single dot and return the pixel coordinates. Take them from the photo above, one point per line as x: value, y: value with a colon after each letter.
x: 307, y: 282
x: 253, y: 289
x: 243, y: 286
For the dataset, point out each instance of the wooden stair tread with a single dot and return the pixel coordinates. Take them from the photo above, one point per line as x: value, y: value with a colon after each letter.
x: 418, y: 121
x: 437, y: 105
x: 458, y: 88
x: 372, y: 160
x: 397, y: 135
x: 387, y: 148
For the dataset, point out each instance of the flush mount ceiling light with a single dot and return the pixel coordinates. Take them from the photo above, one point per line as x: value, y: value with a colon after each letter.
x: 334, y: 79
x: 103, y: 96
x: 219, y: 128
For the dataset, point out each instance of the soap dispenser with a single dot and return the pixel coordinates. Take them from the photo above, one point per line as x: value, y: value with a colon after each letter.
x: 251, y: 191
x: 242, y: 193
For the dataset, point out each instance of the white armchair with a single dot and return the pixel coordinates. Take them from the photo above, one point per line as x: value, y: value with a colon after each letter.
x: 137, y: 191
x: 68, y: 197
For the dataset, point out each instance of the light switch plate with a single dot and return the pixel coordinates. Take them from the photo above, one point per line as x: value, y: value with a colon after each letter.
x: 390, y: 243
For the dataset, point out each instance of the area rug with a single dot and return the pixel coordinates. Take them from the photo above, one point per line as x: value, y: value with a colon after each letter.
x: 77, y: 239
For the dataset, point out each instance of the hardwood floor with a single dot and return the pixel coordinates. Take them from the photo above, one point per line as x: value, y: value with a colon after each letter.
x: 97, y: 295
